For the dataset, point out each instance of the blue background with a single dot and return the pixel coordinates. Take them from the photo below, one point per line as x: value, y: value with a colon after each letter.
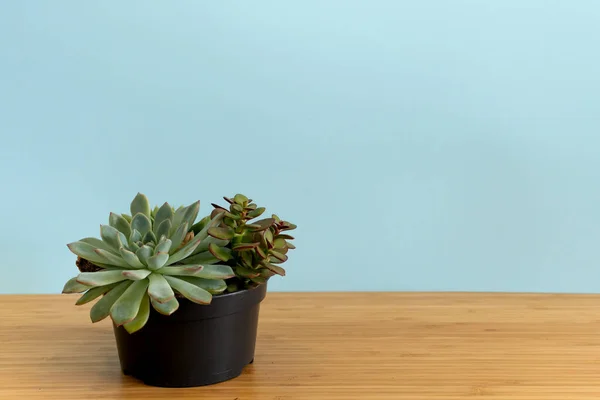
x: 419, y: 145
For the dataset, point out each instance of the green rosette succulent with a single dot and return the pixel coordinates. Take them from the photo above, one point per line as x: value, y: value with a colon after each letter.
x: 254, y: 249
x: 150, y: 258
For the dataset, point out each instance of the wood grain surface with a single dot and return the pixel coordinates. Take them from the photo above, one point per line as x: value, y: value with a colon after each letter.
x: 339, y: 346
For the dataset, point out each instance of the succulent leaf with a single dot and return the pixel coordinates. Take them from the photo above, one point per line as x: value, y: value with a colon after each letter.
x: 163, y: 246
x: 73, y: 286
x: 191, y: 213
x: 144, y: 253
x: 190, y: 291
x: 141, y: 223
x: 112, y: 259
x: 177, y: 237
x: 221, y: 253
x: 245, y: 246
x: 101, y: 309
x: 215, y: 272
x: 126, y: 307
x: 159, y: 289
x: 130, y: 258
x: 118, y: 222
x: 205, y: 243
x: 201, y: 258
x: 98, y: 244
x: 275, y: 268
x: 188, y: 270
x: 185, y: 251
x: 135, y: 236
x: 141, y: 318
x: 157, y: 261
x: 164, y: 213
x: 240, y: 199
x: 213, y: 286
x: 141, y: 205
x: 101, y: 278
x: 256, y: 212
x: 94, y: 293
x: 136, y: 275
x: 166, y: 308
x: 149, y: 237
x: 262, y: 224
x: 164, y: 229
x: 278, y: 255
x: 223, y: 233
x: 111, y: 236
x: 246, y: 272
x: 197, y: 227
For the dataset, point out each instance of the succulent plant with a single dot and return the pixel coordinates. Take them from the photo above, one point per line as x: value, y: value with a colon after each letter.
x: 255, y: 249
x: 149, y: 258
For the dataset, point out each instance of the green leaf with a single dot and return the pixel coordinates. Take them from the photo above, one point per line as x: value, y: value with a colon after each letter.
x: 137, y: 274
x: 275, y: 268
x: 284, y: 236
x: 144, y: 253
x: 127, y: 217
x: 94, y: 293
x: 261, y: 253
x: 287, y: 226
x: 259, y: 280
x: 213, y: 286
x: 141, y: 205
x: 188, y: 270
x: 111, y: 236
x: 141, y: 223
x: 269, y: 238
x: 257, y: 212
x: 250, y: 207
x: 177, y: 237
x: 163, y: 247
x: 130, y: 258
x: 159, y: 289
x: 240, y: 199
x: 245, y: 246
x: 279, y: 243
x: 154, y: 211
x: 149, y: 237
x: 205, y: 243
x: 135, y: 236
x: 290, y: 245
x: 197, y: 227
x: 98, y: 244
x: 100, y: 278
x: 190, y: 291
x: 73, y: 286
x: 157, y: 261
x: 222, y: 253
x: 191, y: 213
x: 164, y: 229
x: 246, y: 259
x: 111, y: 259
x: 215, y: 272
x: 126, y: 307
x: 141, y: 318
x: 166, y: 308
x: 223, y: 233
x: 215, y: 221
x: 201, y: 258
x: 278, y: 255
x: 164, y: 213
x: 262, y: 224
x: 246, y: 272
x: 101, y: 309
x: 133, y: 247
x: 236, y: 208
x: 117, y: 221
x: 185, y: 251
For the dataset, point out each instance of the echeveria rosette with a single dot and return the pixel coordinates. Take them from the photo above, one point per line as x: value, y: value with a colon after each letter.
x: 145, y: 259
x: 254, y: 249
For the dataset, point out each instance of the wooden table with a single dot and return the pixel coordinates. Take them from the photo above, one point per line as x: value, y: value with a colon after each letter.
x: 333, y: 347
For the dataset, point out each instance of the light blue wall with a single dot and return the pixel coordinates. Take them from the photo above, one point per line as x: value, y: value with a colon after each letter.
x: 419, y: 145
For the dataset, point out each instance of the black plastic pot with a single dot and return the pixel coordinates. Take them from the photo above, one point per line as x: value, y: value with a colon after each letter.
x: 196, y: 345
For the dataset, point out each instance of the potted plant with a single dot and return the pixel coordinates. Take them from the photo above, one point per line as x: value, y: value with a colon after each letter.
x: 183, y: 295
